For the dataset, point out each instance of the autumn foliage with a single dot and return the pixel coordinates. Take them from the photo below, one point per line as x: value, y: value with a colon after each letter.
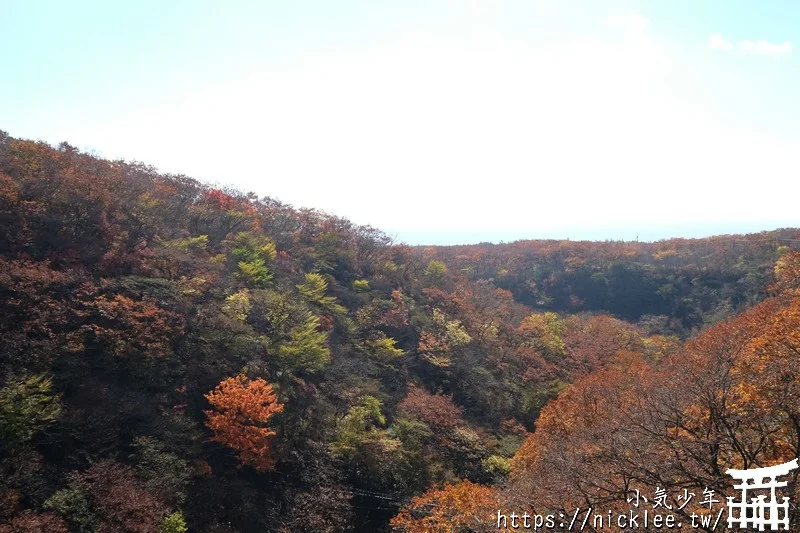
x: 242, y: 408
x: 433, y: 409
x: 426, y: 387
x: 465, y: 506
x: 728, y: 399
x: 30, y: 522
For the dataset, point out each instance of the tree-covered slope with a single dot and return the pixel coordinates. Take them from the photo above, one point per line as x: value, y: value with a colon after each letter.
x: 677, y: 284
x: 174, y: 355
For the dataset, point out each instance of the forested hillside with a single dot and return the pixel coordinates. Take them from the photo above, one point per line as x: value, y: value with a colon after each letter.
x: 178, y: 357
x: 678, y: 285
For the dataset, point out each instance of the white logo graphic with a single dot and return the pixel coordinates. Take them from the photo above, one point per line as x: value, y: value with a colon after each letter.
x: 758, y: 512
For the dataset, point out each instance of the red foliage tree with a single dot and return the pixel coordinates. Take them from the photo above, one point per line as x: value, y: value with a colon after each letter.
x: 125, y: 326
x: 121, y: 502
x: 242, y: 408
x: 397, y: 316
x: 30, y: 522
x: 438, y: 411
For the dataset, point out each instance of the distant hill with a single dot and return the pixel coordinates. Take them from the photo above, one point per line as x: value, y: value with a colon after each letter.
x: 683, y: 284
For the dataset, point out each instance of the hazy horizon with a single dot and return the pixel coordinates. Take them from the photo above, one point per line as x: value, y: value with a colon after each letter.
x: 642, y: 234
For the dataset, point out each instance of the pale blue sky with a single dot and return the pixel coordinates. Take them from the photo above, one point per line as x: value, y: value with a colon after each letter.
x: 439, y: 122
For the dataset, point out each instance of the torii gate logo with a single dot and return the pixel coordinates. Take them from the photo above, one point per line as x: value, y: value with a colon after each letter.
x: 757, y: 511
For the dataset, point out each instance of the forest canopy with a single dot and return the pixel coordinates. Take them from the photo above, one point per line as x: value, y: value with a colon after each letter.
x: 178, y: 357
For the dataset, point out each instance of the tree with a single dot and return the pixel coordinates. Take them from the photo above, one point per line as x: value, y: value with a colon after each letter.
x: 242, y: 408
x: 439, y: 343
x: 728, y: 399
x: 173, y: 523
x: 592, y: 342
x: 293, y: 338
x: 358, y: 426
x: 582, y: 446
x: 397, y: 316
x: 305, y: 350
x: 543, y: 333
x: 437, y: 411
x: 314, y: 288
x: 436, y: 272
x: 465, y: 506
x: 30, y: 522
x: 163, y: 474
x: 252, y: 253
x: 372, y: 453
x: 787, y: 274
x: 107, y: 498
x: 73, y: 504
x: 35, y: 307
x: 26, y: 407
x: 125, y: 327
x: 237, y: 305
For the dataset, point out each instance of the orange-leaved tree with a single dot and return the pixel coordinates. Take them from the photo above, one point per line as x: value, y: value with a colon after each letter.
x: 242, y: 408
x: 465, y: 506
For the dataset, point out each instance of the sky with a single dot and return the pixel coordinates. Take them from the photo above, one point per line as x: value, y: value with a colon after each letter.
x: 439, y: 122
